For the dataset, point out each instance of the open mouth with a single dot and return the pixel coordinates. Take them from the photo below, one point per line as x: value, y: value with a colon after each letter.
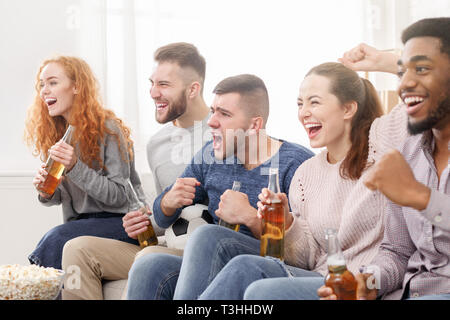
x: 161, y: 106
x: 50, y: 101
x: 313, y: 129
x: 413, y: 103
x: 217, y: 141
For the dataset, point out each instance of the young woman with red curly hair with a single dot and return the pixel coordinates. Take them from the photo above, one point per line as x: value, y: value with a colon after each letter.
x: 98, y: 161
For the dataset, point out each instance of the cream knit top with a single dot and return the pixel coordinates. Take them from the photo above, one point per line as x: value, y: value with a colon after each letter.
x: 320, y: 198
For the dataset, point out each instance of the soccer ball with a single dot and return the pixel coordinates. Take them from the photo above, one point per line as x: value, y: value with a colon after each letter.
x: 190, y: 219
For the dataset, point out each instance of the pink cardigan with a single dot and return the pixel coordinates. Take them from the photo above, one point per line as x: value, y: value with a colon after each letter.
x: 320, y: 198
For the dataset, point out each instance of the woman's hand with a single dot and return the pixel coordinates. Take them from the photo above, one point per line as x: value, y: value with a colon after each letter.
x: 40, y: 178
x: 64, y: 153
x: 265, y: 199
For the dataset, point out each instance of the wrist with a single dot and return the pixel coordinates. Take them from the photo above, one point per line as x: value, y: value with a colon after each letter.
x: 250, y: 217
x: 165, y: 207
x: 44, y: 196
x: 289, y: 219
x: 421, y: 197
x: 68, y: 168
x: 253, y: 222
x: 388, y: 62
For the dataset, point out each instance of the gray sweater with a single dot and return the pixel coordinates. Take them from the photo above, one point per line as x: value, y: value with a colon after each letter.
x: 86, y: 190
x: 171, y: 149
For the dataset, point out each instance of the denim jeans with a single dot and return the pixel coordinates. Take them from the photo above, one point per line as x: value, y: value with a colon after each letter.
x: 48, y: 252
x: 153, y: 277
x: 163, y: 276
x: 444, y: 296
x: 299, y: 289
x: 239, y: 280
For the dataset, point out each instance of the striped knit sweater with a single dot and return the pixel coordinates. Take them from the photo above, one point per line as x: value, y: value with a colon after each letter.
x: 320, y: 198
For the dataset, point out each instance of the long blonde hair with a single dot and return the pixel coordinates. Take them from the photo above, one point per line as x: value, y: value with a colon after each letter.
x: 88, y: 116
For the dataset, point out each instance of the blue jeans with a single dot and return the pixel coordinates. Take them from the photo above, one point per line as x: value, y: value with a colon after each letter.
x: 48, y: 252
x: 163, y: 276
x: 153, y: 277
x: 299, y: 289
x: 242, y: 278
x: 444, y: 296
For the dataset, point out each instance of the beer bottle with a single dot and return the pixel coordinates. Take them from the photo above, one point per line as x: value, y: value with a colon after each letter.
x: 272, y: 235
x: 235, y: 227
x: 148, y: 237
x: 339, y: 278
x: 54, y: 169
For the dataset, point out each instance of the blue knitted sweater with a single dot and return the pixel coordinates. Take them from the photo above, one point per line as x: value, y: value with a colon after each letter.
x: 217, y: 176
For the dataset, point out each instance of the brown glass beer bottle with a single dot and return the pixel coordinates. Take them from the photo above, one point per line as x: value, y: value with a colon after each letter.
x: 54, y: 169
x: 235, y: 227
x: 148, y: 237
x: 339, y: 278
x: 272, y: 235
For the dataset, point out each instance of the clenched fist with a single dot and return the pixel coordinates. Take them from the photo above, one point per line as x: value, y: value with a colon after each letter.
x: 181, y: 194
x: 393, y: 177
x: 366, y: 58
x: 233, y: 207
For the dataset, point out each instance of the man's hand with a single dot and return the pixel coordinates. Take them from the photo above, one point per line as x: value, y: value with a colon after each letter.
x: 233, y: 207
x: 366, y: 58
x: 393, y: 177
x: 326, y: 293
x: 181, y: 194
x: 135, y: 222
x: 362, y: 292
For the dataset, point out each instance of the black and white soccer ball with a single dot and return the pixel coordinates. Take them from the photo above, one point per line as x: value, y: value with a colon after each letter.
x: 190, y: 219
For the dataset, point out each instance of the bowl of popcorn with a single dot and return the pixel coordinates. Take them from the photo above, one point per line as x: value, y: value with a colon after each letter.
x: 29, y: 282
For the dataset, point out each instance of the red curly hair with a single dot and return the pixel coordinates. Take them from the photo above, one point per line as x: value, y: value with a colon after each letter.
x: 87, y: 115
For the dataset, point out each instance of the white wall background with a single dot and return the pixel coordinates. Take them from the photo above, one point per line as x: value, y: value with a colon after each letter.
x: 276, y: 40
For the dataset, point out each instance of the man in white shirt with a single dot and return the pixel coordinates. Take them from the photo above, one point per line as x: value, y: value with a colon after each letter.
x: 177, y: 90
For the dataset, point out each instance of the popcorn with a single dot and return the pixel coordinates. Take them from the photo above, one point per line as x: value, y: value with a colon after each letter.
x: 29, y: 282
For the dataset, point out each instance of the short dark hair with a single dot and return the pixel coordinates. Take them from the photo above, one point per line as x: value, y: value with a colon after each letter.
x: 252, y: 90
x: 430, y: 27
x: 186, y: 55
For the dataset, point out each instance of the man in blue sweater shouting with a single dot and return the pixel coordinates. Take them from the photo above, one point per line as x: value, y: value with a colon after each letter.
x: 241, y: 150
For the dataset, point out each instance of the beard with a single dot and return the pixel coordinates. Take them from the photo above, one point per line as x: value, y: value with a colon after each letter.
x: 176, y: 109
x: 433, y: 120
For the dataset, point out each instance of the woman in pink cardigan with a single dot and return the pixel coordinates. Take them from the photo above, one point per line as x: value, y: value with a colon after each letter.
x: 340, y: 112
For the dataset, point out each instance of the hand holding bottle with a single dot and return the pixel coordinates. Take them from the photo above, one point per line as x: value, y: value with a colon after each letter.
x: 53, y: 167
x: 230, y: 206
x: 40, y: 178
x: 362, y: 291
x: 133, y: 220
x: 135, y: 223
x: 63, y: 153
x: 266, y: 197
x: 273, y: 218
